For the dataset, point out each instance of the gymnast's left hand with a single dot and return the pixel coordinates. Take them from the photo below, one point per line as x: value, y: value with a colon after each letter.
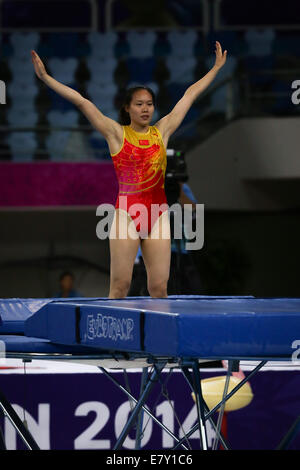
x: 220, y: 56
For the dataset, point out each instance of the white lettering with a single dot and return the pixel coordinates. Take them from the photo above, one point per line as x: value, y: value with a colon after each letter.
x: 104, y: 326
x: 39, y: 429
x: 86, y: 440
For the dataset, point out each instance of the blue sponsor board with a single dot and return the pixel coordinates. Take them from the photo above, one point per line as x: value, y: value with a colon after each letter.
x: 85, y: 411
x: 99, y: 326
x: 111, y: 328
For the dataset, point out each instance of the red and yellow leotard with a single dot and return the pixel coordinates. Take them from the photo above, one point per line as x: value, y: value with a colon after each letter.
x: 140, y: 167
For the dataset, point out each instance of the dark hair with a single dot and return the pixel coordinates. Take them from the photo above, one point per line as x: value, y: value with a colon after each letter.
x: 124, y: 117
x: 66, y: 273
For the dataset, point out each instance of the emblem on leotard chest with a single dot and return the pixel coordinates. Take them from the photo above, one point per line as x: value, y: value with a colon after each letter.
x: 143, y: 142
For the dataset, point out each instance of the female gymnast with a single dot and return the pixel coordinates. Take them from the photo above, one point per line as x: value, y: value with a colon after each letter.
x: 138, y: 151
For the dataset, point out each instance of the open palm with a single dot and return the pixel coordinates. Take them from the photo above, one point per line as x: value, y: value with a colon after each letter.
x: 38, y: 65
x: 220, y: 57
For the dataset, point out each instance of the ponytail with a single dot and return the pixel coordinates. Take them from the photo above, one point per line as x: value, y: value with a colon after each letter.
x: 124, y: 118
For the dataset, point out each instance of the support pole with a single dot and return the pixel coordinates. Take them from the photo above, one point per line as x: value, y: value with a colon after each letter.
x: 139, y: 427
x: 200, y: 406
x: 17, y: 423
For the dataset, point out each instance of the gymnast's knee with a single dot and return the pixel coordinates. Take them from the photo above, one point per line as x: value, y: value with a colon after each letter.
x: 158, y: 288
x: 119, y: 289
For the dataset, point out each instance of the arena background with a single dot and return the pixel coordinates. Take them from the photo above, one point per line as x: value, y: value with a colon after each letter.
x: 239, y: 140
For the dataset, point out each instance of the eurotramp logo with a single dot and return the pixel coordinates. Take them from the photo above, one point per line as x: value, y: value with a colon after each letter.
x: 2, y: 92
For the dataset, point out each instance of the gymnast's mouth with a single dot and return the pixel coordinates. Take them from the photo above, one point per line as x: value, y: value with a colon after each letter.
x: 145, y: 115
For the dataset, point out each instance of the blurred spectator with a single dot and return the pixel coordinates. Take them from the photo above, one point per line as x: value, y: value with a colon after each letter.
x: 66, y: 282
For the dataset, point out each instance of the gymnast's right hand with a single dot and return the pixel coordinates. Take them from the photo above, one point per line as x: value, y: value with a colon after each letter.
x: 38, y: 65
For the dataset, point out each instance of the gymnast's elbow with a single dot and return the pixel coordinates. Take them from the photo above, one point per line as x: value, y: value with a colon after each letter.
x: 191, y: 94
x: 83, y: 103
x: 91, y: 112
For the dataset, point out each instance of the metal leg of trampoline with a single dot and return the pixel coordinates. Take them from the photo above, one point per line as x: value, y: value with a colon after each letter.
x: 188, y: 378
x: 222, y: 408
x: 290, y: 436
x: 211, y: 412
x: 240, y: 384
x: 153, y: 379
x: 17, y: 423
x: 2, y: 440
x: 200, y: 406
x: 144, y: 408
x: 139, y: 426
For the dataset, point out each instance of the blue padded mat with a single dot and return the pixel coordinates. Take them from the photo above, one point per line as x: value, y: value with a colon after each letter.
x: 14, y: 311
x: 178, y: 326
x: 24, y: 344
x: 196, y: 326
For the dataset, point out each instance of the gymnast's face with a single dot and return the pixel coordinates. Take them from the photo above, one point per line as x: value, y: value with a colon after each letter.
x: 141, y: 107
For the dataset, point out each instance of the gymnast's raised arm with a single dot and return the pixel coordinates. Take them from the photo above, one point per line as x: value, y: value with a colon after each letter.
x: 169, y: 123
x: 107, y: 127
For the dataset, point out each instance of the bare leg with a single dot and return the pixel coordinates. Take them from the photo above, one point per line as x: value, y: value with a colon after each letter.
x: 122, y: 254
x: 156, y: 250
